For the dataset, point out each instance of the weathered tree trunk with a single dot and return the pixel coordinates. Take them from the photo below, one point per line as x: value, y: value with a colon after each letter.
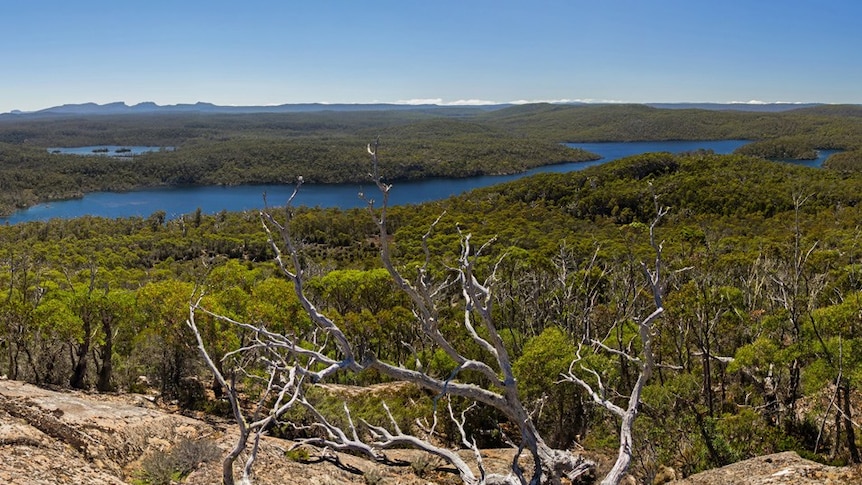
x: 79, y: 372
x: 707, y: 377
x: 848, y: 424
x: 645, y: 362
x: 106, y: 370
x: 13, y: 361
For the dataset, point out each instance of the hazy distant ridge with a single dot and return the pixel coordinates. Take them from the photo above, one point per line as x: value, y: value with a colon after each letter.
x: 760, y: 107
x: 201, y: 107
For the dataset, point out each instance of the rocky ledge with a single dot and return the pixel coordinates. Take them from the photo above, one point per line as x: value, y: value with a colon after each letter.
x: 60, y: 436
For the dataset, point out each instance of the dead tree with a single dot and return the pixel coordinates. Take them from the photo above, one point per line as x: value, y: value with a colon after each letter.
x: 281, y: 389
x: 316, y: 365
x: 645, y: 362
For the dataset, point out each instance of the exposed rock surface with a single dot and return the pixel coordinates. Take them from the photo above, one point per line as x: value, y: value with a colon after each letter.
x: 780, y: 468
x: 71, y: 437
x: 59, y: 437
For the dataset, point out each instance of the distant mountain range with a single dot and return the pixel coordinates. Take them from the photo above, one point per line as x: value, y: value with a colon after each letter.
x: 119, y: 107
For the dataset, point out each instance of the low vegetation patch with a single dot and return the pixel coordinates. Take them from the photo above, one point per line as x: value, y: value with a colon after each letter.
x: 171, y: 466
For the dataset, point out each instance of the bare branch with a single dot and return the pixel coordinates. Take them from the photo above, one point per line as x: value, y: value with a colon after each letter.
x: 386, y: 440
x: 595, y: 396
x: 337, y: 439
x: 646, y: 363
x: 619, y: 353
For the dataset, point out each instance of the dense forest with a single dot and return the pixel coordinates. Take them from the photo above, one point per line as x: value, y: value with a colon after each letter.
x: 222, y: 149
x: 757, y: 349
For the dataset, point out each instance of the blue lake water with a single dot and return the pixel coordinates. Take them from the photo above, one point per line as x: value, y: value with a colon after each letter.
x: 185, y: 200
x: 108, y: 150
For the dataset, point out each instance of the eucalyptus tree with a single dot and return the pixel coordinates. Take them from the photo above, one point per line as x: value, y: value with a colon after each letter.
x: 161, y: 342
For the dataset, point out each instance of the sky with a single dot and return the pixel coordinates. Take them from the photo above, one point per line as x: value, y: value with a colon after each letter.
x: 257, y: 52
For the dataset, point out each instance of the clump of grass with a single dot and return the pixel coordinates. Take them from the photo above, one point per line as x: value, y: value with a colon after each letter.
x: 423, y: 465
x: 165, y: 467
x: 157, y: 469
x: 298, y: 454
x: 373, y: 477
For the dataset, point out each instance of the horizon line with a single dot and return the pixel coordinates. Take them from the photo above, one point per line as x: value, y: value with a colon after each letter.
x: 432, y: 102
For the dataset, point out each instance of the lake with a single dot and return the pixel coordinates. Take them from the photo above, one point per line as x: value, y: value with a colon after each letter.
x: 185, y: 200
x: 108, y: 150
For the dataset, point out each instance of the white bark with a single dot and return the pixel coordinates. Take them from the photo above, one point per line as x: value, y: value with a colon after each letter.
x: 645, y: 362
x: 249, y: 423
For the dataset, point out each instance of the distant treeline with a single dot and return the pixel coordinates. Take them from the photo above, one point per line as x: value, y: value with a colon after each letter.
x: 329, y: 146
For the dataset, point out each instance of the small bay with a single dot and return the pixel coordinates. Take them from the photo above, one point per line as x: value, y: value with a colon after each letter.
x: 176, y: 201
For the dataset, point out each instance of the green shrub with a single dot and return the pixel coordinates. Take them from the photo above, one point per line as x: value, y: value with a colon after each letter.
x: 561, y: 415
x: 299, y: 454
x: 165, y: 467
x: 158, y: 469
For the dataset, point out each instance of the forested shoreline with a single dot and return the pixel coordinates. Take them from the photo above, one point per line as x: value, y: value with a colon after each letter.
x: 327, y: 147
x: 757, y: 349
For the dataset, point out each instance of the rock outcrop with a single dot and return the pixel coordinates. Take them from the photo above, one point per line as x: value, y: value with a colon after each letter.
x: 52, y: 437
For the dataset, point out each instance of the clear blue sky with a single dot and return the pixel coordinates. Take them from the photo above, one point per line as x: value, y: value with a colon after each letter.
x: 253, y: 52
